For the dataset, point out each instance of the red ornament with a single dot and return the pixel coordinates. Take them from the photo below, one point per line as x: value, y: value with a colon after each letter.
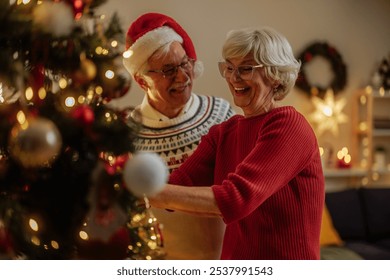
x: 5, y: 241
x: 114, y: 249
x: 116, y: 164
x: 84, y: 114
x: 341, y: 163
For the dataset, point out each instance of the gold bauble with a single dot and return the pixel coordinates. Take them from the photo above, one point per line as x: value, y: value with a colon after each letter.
x: 35, y: 143
x: 86, y: 72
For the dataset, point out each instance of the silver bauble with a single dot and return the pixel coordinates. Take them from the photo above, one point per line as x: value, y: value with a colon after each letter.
x: 35, y: 143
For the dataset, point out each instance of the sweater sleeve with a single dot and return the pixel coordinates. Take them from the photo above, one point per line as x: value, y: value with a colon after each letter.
x: 198, y: 169
x: 284, y: 147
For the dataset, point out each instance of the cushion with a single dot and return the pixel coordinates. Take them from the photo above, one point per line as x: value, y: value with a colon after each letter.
x: 329, y: 235
x: 338, y: 253
x: 347, y: 214
x: 368, y: 251
x: 376, y: 204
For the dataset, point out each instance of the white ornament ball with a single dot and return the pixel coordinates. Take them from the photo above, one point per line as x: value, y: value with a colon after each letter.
x: 145, y: 174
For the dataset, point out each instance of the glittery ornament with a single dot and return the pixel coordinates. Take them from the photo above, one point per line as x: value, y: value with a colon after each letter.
x: 35, y: 143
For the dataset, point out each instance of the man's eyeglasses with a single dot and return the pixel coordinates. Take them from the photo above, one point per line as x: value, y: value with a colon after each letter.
x: 245, y: 72
x: 170, y: 71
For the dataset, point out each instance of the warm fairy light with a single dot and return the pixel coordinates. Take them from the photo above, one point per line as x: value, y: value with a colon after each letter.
x: 375, y: 176
x: 21, y: 117
x: 127, y: 53
x: 70, y: 101
x: 33, y: 224
x: 365, y: 181
x: 2, y: 100
x: 363, y: 126
x: 29, y: 93
x: 321, y: 151
x: 344, y: 158
x: 90, y: 95
x: 81, y: 99
x: 54, y: 244
x: 42, y: 93
x: 109, y: 74
x: 105, y: 52
x: 136, y: 218
x: 368, y: 89
x: 363, y: 99
x: 347, y: 158
x: 62, y: 83
x: 83, y: 235
x: 366, y: 152
x: 109, y: 116
x: 19, y: 2
x: 114, y: 43
x: 382, y: 91
x: 35, y: 240
x: 99, y: 90
x: 99, y: 50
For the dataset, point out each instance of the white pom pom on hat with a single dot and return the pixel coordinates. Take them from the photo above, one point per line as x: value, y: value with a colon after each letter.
x: 147, y: 34
x: 145, y: 174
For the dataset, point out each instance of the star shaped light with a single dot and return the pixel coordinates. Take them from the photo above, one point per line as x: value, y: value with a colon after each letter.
x: 328, y: 113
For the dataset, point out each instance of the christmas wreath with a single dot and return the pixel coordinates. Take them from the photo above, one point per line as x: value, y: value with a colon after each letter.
x: 337, y: 66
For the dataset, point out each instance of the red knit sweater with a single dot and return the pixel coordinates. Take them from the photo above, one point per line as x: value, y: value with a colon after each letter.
x: 267, y: 179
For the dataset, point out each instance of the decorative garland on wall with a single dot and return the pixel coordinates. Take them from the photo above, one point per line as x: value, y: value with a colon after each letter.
x: 337, y: 65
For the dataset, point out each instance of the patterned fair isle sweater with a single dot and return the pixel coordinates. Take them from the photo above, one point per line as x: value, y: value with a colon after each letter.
x: 176, y: 139
x: 185, y: 236
x: 266, y: 175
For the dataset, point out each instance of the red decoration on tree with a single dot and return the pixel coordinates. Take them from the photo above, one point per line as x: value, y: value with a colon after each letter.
x: 84, y: 114
x: 116, y: 164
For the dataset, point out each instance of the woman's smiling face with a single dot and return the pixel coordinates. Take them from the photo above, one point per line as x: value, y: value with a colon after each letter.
x: 253, y: 96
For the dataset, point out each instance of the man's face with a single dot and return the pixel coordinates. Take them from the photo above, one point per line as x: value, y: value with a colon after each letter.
x: 169, y: 86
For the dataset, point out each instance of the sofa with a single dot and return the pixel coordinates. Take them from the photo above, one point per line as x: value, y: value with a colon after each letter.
x: 356, y: 224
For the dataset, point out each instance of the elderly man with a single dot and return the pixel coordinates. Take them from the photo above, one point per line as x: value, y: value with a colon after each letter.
x: 161, y: 58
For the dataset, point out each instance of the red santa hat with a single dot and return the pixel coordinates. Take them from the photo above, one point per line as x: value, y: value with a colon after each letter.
x: 147, y: 34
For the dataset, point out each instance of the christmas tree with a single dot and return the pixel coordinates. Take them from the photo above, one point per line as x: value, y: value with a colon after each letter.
x: 63, y: 149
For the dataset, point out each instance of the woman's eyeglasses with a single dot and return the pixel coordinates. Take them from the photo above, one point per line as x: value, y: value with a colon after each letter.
x: 244, y: 72
x: 170, y: 71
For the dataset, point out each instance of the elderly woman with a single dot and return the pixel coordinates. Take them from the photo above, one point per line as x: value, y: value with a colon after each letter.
x: 261, y: 172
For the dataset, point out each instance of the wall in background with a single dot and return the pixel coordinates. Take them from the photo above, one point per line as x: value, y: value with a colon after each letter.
x: 358, y: 29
